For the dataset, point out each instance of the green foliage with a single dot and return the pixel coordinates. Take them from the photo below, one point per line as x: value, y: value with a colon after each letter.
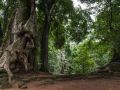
x: 54, y: 63
x: 92, y: 51
x: 108, y: 29
x: 80, y: 59
x: 79, y: 25
x: 59, y: 36
x: 88, y: 55
x: 82, y: 62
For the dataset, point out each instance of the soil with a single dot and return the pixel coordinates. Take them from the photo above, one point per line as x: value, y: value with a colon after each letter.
x: 44, y: 81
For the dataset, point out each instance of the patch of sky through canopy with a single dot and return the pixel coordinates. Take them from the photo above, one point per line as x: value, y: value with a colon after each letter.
x: 84, y: 6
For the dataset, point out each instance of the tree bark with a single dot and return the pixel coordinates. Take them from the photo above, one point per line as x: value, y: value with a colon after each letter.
x: 44, y: 41
x: 22, y: 20
x: 48, y: 6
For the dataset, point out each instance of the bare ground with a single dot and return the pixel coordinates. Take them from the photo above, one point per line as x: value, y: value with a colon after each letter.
x: 43, y: 81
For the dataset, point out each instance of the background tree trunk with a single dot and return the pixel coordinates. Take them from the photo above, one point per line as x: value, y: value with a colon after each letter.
x: 48, y: 7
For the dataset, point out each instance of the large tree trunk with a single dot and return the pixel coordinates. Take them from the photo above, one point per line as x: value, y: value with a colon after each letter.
x: 23, y: 19
x: 44, y: 45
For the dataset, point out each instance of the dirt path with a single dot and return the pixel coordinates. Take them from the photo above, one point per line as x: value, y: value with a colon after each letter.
x: 78, y: 84
x: 101, y: 84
